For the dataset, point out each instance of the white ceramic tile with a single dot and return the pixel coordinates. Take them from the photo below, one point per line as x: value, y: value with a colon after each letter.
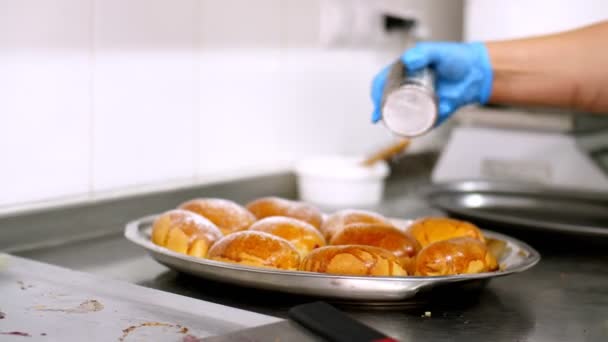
x: 49, y: 24
x: 496, y: 20
x: 240, y: 117
x: 44, y: 99
x: 240, y: 85
x: 301, y: 23
x: 145, y: 92
x: 241, y: 23
x: 326, y: 98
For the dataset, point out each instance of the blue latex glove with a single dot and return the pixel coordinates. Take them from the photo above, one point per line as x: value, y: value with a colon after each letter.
x: 463, y: 75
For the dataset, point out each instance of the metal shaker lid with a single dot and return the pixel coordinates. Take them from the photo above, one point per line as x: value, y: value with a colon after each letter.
x: 409, y: 111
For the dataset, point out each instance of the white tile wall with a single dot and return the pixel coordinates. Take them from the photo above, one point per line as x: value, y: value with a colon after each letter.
x: 145, y: 80
x: 494, y: 19
x: 103, y: 95
x: 44, y: 99
x: 239, y: 109
x: 301, y: 23
x: 326, y: 102
x: 241, y: 23
x: 240, y: 82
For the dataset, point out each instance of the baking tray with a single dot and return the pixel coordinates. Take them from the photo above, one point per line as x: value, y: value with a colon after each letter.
x: 50, y: 303
x: 517, y: 257
x: 529, y: 206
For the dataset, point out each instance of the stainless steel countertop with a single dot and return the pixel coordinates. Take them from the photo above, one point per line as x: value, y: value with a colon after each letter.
x: 46, y: 302
x: 563, y: 298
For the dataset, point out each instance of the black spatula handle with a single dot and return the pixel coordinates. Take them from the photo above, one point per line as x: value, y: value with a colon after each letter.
x: 334, y: 325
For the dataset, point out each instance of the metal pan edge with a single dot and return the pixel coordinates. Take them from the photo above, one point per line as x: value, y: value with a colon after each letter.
x: 351, y: 288
x: 436, y: 195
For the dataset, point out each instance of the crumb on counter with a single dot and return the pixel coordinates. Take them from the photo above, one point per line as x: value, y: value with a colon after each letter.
x: 126, y: 332
x: 190, y: 338
x: 23, y: 286
x: 87, y: 306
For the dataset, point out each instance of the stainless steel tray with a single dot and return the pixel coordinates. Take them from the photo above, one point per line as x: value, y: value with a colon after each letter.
x: 51, y: 303
x: 517, y: 257
x: 528, y: 206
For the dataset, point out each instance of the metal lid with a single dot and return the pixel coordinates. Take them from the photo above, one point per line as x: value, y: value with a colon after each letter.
x: 409, y: 111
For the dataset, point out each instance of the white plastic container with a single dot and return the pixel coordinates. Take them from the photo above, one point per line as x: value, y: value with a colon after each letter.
x: 340, y: 181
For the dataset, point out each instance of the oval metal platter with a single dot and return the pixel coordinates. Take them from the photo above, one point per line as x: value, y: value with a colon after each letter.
x: 515, y: 256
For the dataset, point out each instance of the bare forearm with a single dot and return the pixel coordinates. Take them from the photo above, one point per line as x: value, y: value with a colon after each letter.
x: 567, y: 70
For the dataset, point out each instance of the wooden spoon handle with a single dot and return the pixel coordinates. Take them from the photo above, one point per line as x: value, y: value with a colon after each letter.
x: 387, y: 152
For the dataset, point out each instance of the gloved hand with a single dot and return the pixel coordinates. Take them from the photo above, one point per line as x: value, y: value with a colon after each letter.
x: 463, y: 75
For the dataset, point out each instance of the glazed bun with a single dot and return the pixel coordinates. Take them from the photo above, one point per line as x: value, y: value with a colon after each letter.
x: 432, y: 229
x: 275, y: 206
x: 340, y: 219
x: 185, y: 232
x: 228, y: 216
x: 455, y: 256
x: 253, y: 248
x: 401, y: 244
x: 354, y: 260
x: 302, y: 235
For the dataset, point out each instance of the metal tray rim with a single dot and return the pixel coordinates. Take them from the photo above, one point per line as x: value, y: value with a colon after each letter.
x: 134, y: 234
x: 532, y: 190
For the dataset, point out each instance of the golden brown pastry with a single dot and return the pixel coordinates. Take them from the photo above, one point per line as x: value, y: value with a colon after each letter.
x: 304, y: 236
x: 455, y: 256
x: 355, y: 260
x: 340, y: 219
x: 432, y: 229
x: 252, y: 248
x: 185, y: 232
x: 276, y: 206
x: 228, y: 216
x: 401, y: 244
